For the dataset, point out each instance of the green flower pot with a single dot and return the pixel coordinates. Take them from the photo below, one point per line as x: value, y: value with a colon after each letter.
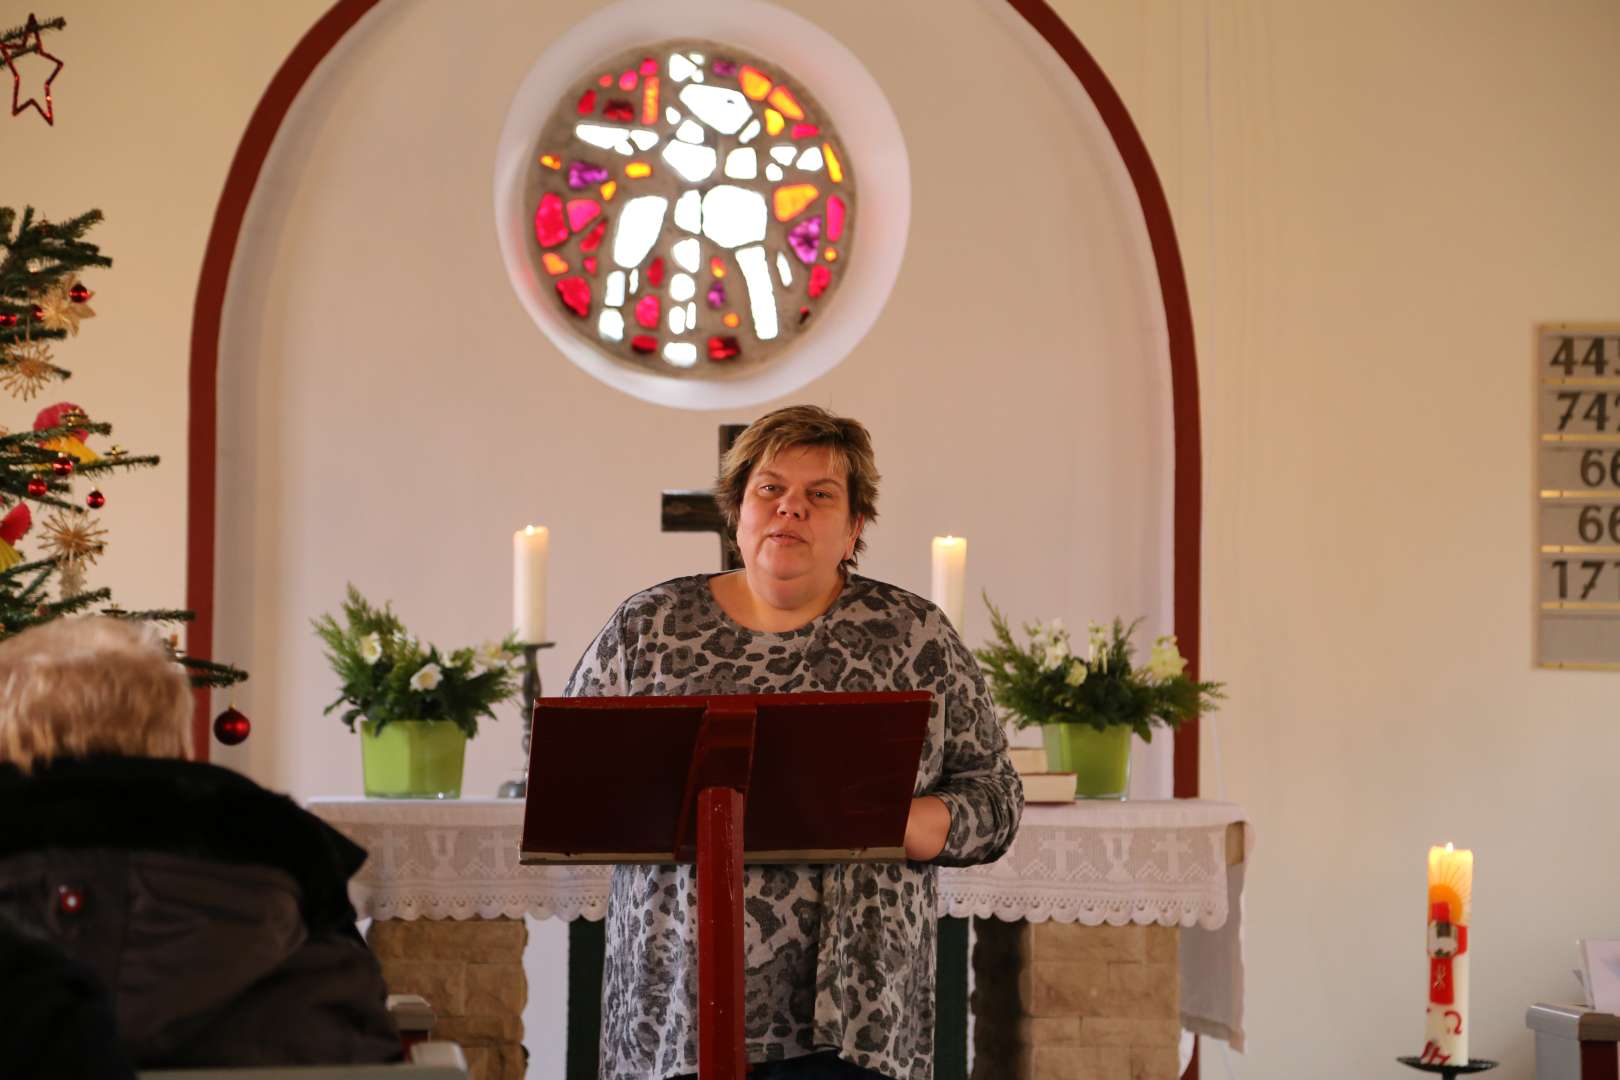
x: 1100, y: 760
x: 413, y: 759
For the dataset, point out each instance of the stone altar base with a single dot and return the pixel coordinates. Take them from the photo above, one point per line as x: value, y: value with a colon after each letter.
x: 472, y: 974
x: 1063, y: 1001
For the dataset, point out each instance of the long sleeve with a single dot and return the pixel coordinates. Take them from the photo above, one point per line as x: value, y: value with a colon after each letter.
x: 977, y: 780
x: 601, y: 671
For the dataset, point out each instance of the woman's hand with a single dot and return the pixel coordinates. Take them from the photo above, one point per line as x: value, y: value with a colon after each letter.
x: 927, y: 826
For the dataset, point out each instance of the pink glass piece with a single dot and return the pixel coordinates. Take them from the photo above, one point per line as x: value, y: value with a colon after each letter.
x: 587, y: 103
x: 805, y: 239
x: 627, y: 81
x: 835, y: 218
x: 581, y: 211
x: 582, y: 174
x: 649, y: 66
x: 549, y: 228
x: 619, y: 111
x: 820, y: 278
x: 576, y: 293
x: 724, y: 68
x: 717, y: 295
x: 647, y: 312
x: 805, y: 131
x: 605, y: 80
x: 590, y: 264
x: 593, y: 239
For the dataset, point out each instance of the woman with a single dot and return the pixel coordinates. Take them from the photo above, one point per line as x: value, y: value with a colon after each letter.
x: 214, y: 912
x: 839, y: 961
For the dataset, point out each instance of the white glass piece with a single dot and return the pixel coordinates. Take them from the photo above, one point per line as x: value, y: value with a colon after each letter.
x: 697, y: 57
x: 722, y: 109
x: 677, y: 319
x: 691, y: 314
x: 749, y: 132
x: 810, y: 160
x: 761, y: 298
x: 644, y: 139
x: 773, y: 172
x: 681, y: 353
x: 680, y: 68
x: 784, y: 155
x: 686, y: 251
x: 681, y: 287
x: 672, y: 114
x: 733, y: 216
x: 613, y: 295
x: 694, y: 163
x: 742, y: 164
x: 608, y: 138
x: 611, y: 325
x: 690, y: 131
x: 783, y: 270
x: 633, y: 286
x: 639, y: 224
x: 624, y: 148
x: 689, y: 211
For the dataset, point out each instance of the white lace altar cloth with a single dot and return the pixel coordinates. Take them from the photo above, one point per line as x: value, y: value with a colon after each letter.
x: 1147, y: 862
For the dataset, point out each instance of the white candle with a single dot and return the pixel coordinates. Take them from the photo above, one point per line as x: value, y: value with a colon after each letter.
x: 950, y: 577
x: 529, y: 547
x: 1451, y: 891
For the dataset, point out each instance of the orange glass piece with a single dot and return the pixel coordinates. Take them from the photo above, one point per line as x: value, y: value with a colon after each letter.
x: 790, y: 200
x: 638, y: 170
x: 732, y: 320
x: 831, y: 254
x: 835, y: 168
x: 786, y: 103
x: 551, y: 161
x: 755, y: 83
x: 716, y: 267
x: 555, y: 264
x: 774, y: 122
x: 649, y: 100
x: 608, y: 189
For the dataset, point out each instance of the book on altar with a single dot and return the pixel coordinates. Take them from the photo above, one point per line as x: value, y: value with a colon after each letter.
x: 1048, y: 787
x: 1028, y: 759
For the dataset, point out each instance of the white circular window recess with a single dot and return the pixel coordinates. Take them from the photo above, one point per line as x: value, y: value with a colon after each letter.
x: 845, y: 89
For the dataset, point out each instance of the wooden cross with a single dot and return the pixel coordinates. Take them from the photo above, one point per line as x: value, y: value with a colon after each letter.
x: 697, y: 511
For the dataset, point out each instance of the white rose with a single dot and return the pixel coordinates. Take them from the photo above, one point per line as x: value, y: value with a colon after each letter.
x: 490, y: 655
x: 427, y: 677
x: 1056, y: 653
x: 1165, y: 661
x: 371, y: 648
x: 1077, y: 672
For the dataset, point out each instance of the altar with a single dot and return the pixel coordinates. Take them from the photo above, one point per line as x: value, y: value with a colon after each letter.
x: 1105, y: 930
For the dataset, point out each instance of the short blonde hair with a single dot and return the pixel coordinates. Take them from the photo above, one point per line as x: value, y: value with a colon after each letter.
x: 74, y: 687
x: 847, y: 442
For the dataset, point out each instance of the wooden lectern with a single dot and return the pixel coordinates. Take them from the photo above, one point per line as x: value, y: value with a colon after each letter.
x: 667, y: 780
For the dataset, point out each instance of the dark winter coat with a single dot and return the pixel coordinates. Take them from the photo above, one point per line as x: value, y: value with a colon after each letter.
x: 215, y: 912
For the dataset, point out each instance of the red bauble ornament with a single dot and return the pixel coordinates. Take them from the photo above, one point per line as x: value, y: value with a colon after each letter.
x: 62, y: 465
x: 69, y: 899
x: 37, y: 487
x: 78, y: 294
x: 38, y: 313
x: 8, y: 320
x: 232, y: 726
x: 96, y: 500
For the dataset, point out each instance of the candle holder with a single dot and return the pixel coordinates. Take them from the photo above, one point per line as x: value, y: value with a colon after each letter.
x: 1447, y: 1071
x: 519, y: 787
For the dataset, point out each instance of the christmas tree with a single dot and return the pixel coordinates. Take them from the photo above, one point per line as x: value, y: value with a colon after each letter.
x: 42, y: 302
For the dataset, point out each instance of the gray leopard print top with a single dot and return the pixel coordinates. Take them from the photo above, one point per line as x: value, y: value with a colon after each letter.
x: 838, y: 956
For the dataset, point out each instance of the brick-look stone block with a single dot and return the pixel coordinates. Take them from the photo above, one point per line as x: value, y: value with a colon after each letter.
x: 475, y: 941
x: 1163, y: 944
x: 1149, y: 991
x: 1084, y: 944
x: 1080, y: 1063
x: 1062, y: 989
x: 1156, y: 1062
x: 443, y: 984
x: 496, y: 989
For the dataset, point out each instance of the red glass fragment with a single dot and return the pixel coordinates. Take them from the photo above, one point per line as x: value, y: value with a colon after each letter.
x: 576, y: 293
x: 647, y: 312
x: 605, y: 80
x: 587, y: 103
x: 804, y: 315
x: 723, y: 348
x: 820, y: 278
x: 805, y: 131
x: 619, y: 111
x: 835, y: 217
x: 549, y: 227
x: 644, y: 343
x: 649, y: 66
x: 590, y: 264
x: 655, y: 272
x: 593, y: 239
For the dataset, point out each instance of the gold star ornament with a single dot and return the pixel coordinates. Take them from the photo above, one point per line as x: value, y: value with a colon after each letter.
x: 26, y: 368
x: 61, y: 311
x: 74, y: 536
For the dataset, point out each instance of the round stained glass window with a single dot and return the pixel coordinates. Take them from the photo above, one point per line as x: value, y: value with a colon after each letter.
x: 693, y: 208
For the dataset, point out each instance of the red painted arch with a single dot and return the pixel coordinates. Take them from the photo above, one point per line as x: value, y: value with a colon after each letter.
x: 249, y: 161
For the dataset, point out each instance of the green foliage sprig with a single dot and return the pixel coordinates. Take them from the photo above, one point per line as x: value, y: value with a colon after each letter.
x: 1044, y: 682
x: 387, y: 675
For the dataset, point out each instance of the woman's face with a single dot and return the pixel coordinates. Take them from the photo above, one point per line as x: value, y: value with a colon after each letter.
x: 795, y: 526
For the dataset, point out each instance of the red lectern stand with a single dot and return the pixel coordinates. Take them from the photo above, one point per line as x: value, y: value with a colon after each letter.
x: 667, y: 779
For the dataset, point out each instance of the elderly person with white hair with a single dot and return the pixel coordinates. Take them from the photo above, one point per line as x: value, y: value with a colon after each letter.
x: 216, y: 913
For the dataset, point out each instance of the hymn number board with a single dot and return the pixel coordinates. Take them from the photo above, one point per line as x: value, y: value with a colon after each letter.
x: 1578, y: 485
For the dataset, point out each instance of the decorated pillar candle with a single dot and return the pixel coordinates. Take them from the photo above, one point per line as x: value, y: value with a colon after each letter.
x: 1451, y: 887
x: 529, y: 547
x: 950, y: 577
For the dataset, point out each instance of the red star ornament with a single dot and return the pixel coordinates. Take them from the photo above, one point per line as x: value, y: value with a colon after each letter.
x: 48, y: 110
